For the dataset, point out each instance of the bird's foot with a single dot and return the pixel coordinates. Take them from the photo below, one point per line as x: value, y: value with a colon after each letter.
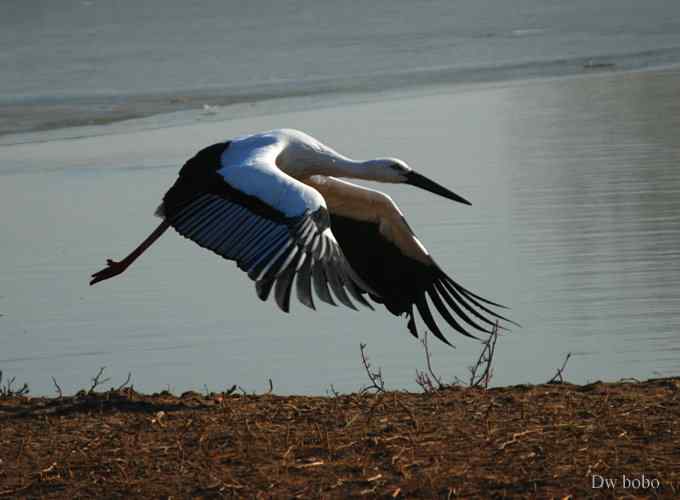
x: 112, y: 269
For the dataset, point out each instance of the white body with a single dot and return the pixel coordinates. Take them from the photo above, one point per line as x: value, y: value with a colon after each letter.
x: 280, y: 166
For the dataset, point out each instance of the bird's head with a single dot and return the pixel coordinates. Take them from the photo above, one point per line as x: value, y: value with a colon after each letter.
x: 397, y: 171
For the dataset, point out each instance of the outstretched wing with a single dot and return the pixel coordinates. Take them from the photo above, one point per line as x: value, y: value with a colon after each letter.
x: 271, y: 245
x: 385, y: 253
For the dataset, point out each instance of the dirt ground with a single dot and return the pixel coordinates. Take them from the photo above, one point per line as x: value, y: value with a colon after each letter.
x: 616, y: 440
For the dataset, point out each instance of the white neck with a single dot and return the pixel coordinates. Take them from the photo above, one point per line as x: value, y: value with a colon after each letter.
x: 336, y: 165
x: 305, y: 162
x: 301, y: 156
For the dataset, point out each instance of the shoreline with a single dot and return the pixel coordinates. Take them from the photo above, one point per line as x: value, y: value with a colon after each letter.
x: 96, y: 115
x: 550, y: 440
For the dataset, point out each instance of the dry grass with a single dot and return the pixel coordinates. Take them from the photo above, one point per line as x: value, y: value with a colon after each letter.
x: 522, y: 441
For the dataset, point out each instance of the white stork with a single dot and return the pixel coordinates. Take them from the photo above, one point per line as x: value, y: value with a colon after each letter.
x: 272, y: 203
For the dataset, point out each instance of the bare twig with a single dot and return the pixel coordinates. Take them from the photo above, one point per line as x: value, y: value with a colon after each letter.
x: 485, y: 362
x: 97, y: 380
x: 558, y: 378
x: 425, y: 380
x: 271, y: 387
x: 124, y: 384
x: 429, y: 362
x: 231, y: 390
x: 7, y: 391
x: 377, y: 382
x: 58, y: 388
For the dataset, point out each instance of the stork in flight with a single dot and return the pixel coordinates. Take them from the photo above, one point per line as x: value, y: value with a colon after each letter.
x: 273, y: 203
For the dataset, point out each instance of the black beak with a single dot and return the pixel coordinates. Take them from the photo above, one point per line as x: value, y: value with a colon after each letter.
x: 423, y: 182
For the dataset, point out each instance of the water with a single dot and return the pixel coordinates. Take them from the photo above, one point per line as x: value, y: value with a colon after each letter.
x: 574, y: 182
x: 79, y: 62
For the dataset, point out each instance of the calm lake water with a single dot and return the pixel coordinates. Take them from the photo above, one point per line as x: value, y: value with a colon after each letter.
x: 575, y: 188
x: 574, y: 178
x: 90, y: 61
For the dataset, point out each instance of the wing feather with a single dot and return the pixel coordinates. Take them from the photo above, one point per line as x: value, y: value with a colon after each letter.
x: 284, y: 283
x: 375, y: 237
x: 303, y: 282
x: 443, y: 310
x: 274, y: 247
x: 451, y: 285
x: 335, y: 283
x: 424, y: 310
x: 321, y: 283
x: 442, y: 292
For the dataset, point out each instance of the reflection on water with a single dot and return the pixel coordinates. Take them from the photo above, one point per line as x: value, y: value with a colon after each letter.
x: 76, y: 62
x: 575, y: 188
x: 597, y: 210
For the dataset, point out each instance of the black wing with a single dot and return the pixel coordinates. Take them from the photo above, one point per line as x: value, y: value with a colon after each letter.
x: 404, y: 282
x: 386, y: 255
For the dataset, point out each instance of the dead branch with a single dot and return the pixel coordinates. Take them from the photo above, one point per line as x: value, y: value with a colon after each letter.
x: 425, y: 380
x: 97, y: 380
x: 124, y: 384
x: 7, y: 391
x: 58, y: 388
x: 558, y: 378
x: 485, y: 362
x: 377, y: 382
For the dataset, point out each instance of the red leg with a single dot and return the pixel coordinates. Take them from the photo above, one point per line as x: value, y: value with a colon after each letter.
x: 115, y: 268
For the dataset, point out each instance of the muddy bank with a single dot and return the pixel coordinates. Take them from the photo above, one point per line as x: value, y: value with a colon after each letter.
x: 547, y: 440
